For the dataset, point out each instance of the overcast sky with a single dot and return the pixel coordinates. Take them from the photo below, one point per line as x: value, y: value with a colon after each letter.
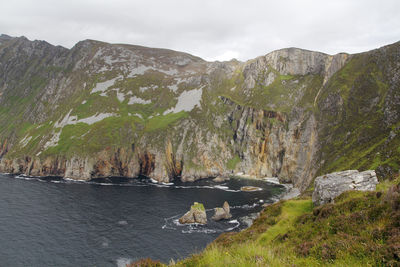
x: 211, y: 29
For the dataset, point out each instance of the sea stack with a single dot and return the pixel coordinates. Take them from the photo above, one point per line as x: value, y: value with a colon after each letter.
x: 196, y: 214
x: 222, y: 213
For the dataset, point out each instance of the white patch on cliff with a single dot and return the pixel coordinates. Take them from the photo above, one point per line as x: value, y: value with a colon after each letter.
x: 66, y: 120
x: 141, y: 69
x: 120, y: 95
x: 173, y: 87
x: 138, y: 100
x: 71, y: 120
x: 25, y: 140
x: 103, y: 86
x: 187, y: 101
x: 96, y: 118
x: 138, y: 115
x: 53, y: 140
x: 84, y: 102
x: 145, y: 88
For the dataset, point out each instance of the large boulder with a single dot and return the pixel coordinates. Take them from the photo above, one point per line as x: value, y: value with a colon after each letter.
x: 222, y: 213
x: 196, y: 214
x: 329, y: 186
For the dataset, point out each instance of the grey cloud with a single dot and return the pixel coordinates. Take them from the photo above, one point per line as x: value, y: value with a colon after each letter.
x: 210, y: 28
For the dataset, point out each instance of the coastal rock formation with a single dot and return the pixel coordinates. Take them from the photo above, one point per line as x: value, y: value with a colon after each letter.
x: 222, y: 213
x: 221, y: 179
x: 329, y: 186
x: 99, y: 110
x: 196, y: 214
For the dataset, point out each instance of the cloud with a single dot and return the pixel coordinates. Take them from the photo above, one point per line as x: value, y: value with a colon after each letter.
x: 212, y: 29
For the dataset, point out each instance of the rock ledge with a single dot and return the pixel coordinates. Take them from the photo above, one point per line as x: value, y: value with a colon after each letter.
x: 329, y: 186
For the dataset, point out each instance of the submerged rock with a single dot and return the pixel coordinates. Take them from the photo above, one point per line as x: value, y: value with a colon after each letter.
x: 249, y: 219
x: 220, y: 179
x: 222, y: 213
x: 196, y: 214
x: 250, y: 188
x: 329, y: 186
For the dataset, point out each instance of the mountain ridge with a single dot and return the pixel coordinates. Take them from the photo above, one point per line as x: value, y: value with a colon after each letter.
x: 100, y: 109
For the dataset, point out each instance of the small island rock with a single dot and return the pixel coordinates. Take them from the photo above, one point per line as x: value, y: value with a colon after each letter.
x: 196, y: 214
x: 222, y: 213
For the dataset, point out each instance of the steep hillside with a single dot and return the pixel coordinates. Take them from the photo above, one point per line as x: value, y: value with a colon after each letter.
x: 359, y: 229
x: 102, y: 109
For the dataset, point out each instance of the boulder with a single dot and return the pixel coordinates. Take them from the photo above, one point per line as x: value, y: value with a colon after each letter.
x: 329, y: 186
x: 196, y: 214
x: 222, y: 213
x: 220, y: 179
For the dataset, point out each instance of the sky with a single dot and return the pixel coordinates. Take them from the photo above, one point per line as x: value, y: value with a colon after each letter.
x: 211, y: 29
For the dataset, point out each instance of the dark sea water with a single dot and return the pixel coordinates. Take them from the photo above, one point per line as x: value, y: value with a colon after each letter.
x: 54, y: 222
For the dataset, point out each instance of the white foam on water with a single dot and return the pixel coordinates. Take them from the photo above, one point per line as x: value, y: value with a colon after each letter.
x: 123, y: 222
x: 205, y: 231
x: 273, y: 180
x: 73, y: 180
x: 245, y: 206
x: 221, y: 187
x: 207, y: 187
x: 234, y: 227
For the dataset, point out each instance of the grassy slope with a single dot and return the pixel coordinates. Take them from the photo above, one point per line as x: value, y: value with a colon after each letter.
x: 360, y: 229
x: 354, y: 134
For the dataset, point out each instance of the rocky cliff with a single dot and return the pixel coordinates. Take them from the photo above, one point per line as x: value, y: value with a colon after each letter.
x: 101, y: 109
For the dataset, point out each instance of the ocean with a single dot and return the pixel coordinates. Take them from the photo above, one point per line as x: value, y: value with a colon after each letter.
x: 50, y: 221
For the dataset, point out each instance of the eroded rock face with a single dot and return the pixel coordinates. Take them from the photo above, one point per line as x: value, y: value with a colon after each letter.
x: 222, y: 213
x: 329, y: 186
x: 268, y: 117
x: 196, y: 214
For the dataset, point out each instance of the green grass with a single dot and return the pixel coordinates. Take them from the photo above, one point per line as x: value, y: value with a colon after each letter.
x: 197, y: 206
x: 231, y: 164
x: 290, y: 211
x: 360, y: 229
x: 162, y: 121
x: 286, y: 77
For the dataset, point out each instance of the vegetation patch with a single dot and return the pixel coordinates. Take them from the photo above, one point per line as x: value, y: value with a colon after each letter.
x: 360, y: 229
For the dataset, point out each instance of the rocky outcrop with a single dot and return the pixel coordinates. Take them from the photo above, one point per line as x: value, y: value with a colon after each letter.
x: 196, y: 214
x: 329, y: 186
x: 222, y: 213
x: 100, y: 110
x: 273, y: 144
x: 3, y: 148
x: 221, y: 179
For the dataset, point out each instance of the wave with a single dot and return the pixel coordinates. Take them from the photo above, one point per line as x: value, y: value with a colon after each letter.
x: 219, y: 187
x: 246, y: 206
x: 135, y: 182
x: 172, y: 223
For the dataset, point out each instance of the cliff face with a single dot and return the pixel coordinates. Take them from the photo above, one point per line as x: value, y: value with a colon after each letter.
x: 100, y: 110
